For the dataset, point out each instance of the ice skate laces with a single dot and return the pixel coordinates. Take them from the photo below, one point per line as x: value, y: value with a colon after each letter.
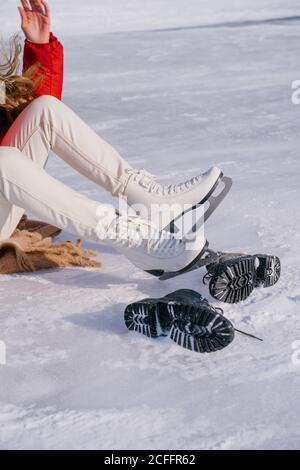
x: 148, y: 181
x: 133, y: 232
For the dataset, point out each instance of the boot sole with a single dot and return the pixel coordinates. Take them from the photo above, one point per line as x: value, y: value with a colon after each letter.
x: 143, y: 317
x: 236, y: 279
x: 268, y: 272
x: 197, y: 329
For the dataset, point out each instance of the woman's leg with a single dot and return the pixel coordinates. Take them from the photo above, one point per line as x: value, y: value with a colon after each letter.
x: 27, y: 185
x: 10, y: 216
x: 48, y: 124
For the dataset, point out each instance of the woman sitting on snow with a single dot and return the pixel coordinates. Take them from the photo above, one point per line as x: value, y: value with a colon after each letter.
x: 34, y: 121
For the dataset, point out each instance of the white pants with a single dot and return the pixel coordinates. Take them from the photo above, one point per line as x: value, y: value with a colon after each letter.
x: 47, y: 124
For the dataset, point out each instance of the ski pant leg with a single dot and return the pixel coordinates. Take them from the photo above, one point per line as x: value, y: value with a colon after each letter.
x: 27, y: 135
x: 48, y: 124
x: 10, y: 216
x: 26, y: 185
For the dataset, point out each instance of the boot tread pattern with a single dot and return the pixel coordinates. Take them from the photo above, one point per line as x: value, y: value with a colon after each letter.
x: 234, y: 280
x: 198, y: 329
x: 140, y: 317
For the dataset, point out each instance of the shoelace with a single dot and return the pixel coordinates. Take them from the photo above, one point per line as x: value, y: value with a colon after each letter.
x: 147, y: 181
x: 248, y: 334
x: 135, y: 232
x: 221, y: 312
x: 206, y: 278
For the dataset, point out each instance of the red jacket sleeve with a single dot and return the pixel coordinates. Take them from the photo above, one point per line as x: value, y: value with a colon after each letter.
x: 50, y: 72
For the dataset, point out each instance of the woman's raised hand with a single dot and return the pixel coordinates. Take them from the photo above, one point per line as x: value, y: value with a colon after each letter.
x: 36, y: 21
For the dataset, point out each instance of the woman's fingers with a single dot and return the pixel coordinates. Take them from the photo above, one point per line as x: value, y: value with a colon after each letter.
x: 39, y: 6
x: 36, y: 5
x: 25, y: 5
x: 46, y: 7
x: 23, y: 15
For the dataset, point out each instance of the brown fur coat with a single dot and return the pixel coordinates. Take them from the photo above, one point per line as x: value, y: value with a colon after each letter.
x: 31, y: 248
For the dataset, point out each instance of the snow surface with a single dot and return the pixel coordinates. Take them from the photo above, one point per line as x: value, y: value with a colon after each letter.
x: 212, y: 86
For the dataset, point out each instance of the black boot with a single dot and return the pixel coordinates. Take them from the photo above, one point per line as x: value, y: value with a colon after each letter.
x: 234, y: 276
x: 186, y: 317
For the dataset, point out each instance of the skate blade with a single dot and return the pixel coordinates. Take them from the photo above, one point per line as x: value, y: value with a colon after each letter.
x: 200, y: 330
x: 234, y: 281
x: 214, y: 201
x: 200, y: 261
x: 178, y: 225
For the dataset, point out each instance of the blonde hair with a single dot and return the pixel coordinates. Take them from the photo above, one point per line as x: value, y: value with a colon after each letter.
x: 17, y: 88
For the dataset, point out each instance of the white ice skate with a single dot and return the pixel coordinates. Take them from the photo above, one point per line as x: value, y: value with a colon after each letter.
x: 166, y: 206
x: 160, y: 253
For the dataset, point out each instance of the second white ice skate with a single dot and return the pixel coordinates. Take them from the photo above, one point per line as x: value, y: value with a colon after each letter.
x: 167, y: 205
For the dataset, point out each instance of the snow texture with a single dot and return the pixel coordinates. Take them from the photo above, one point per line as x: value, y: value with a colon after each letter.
x: 176, y: 87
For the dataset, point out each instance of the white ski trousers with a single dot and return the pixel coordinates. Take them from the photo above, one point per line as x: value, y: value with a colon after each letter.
x: 48, y: 124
